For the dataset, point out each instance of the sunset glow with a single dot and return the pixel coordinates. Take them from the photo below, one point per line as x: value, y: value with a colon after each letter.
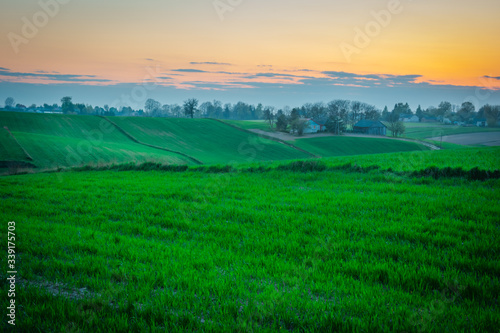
x: 212, y: 45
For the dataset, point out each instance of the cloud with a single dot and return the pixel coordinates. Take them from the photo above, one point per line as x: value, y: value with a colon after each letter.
x: 53, y: 77
x: 187, y: 70
x: 492, y: 77
x: 370, y: 80
x: 210, y: 63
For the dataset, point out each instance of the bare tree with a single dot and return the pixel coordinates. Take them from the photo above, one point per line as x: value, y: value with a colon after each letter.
x: 152, y: 107
x: 9, y: 102
x: 190, y: 107
x: 269, y: 115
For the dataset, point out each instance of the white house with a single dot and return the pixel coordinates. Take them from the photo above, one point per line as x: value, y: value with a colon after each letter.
x: 410, y: 119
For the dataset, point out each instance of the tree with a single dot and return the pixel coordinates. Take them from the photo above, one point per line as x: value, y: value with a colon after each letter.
x: 419, y: 113
x: 335, y: 125
x: 491, y: 113
x: 67, y: 105
x: 9, y: 102
x: 466, y: 111
x: 444, y: 109
x: 190, y: 107
x: 299, y: 126
x: 385, y: 113
x: 269, y: 115
x: 397, y: 128
x: 80, y: 108
x: 294, y: 115
x: 399, y: 109
x: 371, y: 113
x: 151, y: 107
x: 281, y: 121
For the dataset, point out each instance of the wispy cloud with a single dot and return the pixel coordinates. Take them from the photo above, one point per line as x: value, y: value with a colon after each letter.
x: 53, y: 78
x: 492, y: 77
x: 189, y: 70
x: 210, y: 63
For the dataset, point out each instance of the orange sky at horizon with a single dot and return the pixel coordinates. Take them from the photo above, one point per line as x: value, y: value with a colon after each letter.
x: 445, y: 42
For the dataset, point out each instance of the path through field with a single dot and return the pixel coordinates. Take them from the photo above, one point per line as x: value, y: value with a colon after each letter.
x: 484, y: 139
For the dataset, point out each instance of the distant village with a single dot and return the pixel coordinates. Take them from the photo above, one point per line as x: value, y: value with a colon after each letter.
x: 336, y: 116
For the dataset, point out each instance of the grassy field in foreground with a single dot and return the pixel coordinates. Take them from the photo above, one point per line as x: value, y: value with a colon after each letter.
x: 207, y: 140
x: 250, y: 252
x: 345, y: 146
x: 55, y: 141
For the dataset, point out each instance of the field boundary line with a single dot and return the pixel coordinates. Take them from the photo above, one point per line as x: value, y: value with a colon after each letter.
x: 28, y: 156
x: 131, y: 137
x: 267, y: 137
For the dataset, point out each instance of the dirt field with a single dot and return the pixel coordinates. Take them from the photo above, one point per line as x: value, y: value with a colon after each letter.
x: 483, y: 139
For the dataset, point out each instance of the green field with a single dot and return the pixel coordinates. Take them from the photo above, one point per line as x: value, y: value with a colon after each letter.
x: 267, y: 247
x: 56, y: 141
x: 207, y: 140
x: 10, y: 150
x: 344, y: 146
x: 250, y: 124
x: 424, y: 131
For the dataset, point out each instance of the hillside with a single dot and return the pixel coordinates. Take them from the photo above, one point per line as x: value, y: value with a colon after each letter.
x: 56, y: 141
x: 207, y: 140
x: 62, y: 141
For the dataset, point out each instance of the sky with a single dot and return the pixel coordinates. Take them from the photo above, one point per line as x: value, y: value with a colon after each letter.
x: 275, y: 52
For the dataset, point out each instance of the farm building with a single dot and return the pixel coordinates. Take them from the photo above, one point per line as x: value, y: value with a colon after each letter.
x: 409, y: 118
x: 322, y: 123
x: 312, y: 127
x: 372, y: 127
x: 480, y: 122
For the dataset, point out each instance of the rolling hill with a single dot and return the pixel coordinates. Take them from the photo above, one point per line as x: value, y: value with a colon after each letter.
x: 344, y: 146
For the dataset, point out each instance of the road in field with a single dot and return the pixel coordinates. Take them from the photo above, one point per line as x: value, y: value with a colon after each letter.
x: 484, y: 139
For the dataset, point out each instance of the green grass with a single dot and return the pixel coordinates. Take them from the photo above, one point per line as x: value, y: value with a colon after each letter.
x: 343, y: 146
x: 10, y: 150
x: 258, y: 251
x: 56, y: 141
x: 207, y: 140
x: 250, y: 124
x: 424, y: 131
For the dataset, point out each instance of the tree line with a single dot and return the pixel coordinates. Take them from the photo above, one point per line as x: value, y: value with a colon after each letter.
x: 337, y: 115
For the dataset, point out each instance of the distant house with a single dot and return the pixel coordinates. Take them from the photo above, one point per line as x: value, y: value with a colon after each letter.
x: 372, y: 127
x: 312, y: 127
x: 409, y: 118
x: 480, y: 122
x: 429, y: 119
x: 322, y: 123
